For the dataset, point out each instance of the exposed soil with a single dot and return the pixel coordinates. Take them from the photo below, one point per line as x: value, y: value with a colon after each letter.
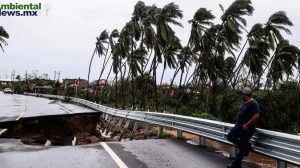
x: 62, y: 130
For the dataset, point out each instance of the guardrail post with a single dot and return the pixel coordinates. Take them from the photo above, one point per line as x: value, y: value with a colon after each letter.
x: 201, y: 141
x: 281, y: 164
x: 111, y: 125
x: 160, y: 131
x: 136, y: 124
x: 117, y: 126
x: 146, y: 134
x: 233, y: 151
x: 179, y: 134
x: 124, y: 129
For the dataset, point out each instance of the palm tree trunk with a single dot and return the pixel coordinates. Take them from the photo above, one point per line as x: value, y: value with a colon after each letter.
x: 214, y: 75
x: 87, y: 92
x: 236, y: 76
x: 258, y: 79
x: 122, y: 88
x: 97, y: 85
x: 148, y: 61
x: 142, y: 104
x: 132, y: 82
x: 186, y: 75
x: 116, y: 90
x: 154, y: 82
x: 178, y: 100
x: 173, y: 79
x: 237, y: 70
x: 183, y: 91
x: 109, y: 73
x: 162, y: 76
x: 147, y: 83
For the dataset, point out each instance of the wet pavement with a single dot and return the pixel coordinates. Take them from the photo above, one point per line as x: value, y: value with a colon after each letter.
x: 14, y: 154
x: 14, y: 107
x: 153, y: 153
x: 167, y: 153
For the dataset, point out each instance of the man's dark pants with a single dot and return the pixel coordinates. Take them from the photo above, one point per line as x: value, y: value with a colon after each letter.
x: 241, y: 138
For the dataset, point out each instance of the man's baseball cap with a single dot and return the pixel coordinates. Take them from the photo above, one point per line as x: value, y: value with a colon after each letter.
x: 246, y: 91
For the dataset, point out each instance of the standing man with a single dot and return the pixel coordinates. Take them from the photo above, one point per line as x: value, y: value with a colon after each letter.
x: 244, y: 127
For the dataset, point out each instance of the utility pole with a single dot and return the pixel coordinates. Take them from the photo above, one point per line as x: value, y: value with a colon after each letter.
x: 58, y: 75
x: 54, y: 75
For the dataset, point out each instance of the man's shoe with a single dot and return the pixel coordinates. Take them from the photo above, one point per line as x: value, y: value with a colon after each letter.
x: 234, y: 165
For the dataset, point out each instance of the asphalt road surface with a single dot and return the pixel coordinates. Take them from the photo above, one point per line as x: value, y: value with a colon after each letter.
x: 154, y: 153
x: 14, y: 107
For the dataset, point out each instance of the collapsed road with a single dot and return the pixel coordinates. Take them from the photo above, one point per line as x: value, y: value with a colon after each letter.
x: 40, y: 133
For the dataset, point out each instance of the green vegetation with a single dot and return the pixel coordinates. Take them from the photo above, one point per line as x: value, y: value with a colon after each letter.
x: 218, y: 60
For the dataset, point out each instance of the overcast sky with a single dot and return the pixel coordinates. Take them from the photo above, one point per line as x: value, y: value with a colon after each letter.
x: 64, y: 40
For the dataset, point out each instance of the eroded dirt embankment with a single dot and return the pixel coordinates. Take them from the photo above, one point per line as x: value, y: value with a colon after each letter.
x: 59, y: 130
x: 62, y: 130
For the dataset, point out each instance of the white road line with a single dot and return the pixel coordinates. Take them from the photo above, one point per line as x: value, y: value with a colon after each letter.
x: 119, y: 162
x: 2, y: 131
x: 22, y: 113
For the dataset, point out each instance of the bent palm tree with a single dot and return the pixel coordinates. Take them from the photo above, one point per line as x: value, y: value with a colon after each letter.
x: 283, y: 62
x: 201, y: 19
x: 276, y: 23
x: 100, y: 49
x: 165, y: 16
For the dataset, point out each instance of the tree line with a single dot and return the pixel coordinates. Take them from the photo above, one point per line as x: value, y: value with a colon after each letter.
x: 220, y: 57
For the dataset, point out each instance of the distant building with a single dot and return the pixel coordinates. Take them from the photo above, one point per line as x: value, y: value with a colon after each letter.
x: 5, y: 81
x: 99, y: 85
x: 71, y: 82
x: 47, y: 89
x: 101, y: 82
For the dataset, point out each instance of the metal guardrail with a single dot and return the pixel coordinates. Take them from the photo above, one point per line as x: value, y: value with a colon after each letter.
x: 284, y: 147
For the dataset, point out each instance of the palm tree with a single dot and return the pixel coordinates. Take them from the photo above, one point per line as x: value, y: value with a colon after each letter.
x: 255, y: 56
x: 185, y: 59
x: 112, y: 42
x: 165, y: 16
x: 99, y: 49
x: 276, y: 23
x: 132, y: 32
x: 3, y: 34
x: 116, y: 63
x: 201, y: 19
x: 283, y: 61
x: 232, y: 23
x: 200, y: 32
x: 170, y: 52
x: 149, y: 39
x: 114, y: 34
